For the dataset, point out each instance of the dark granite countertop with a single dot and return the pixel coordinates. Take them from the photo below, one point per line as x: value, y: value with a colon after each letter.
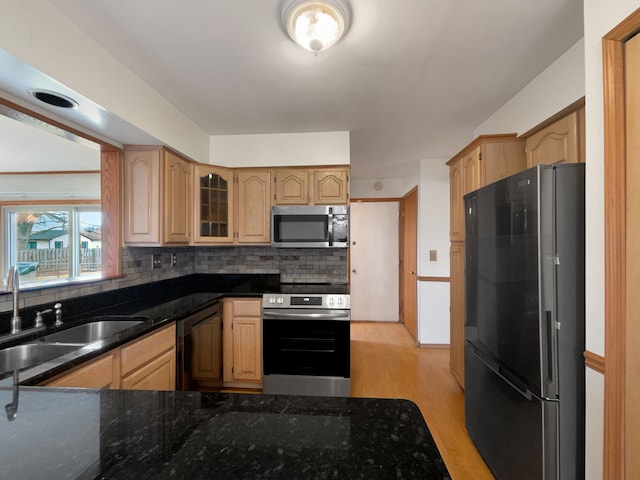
x: 110, y: 434
x: 159, y: 303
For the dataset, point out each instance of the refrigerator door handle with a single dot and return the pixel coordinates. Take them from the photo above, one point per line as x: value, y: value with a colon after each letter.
x: 550, y: 389
x: 499, y: 371
x: 522, y: 391
x: 550, y: 344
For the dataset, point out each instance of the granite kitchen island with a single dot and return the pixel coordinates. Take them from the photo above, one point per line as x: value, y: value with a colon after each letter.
x: 111, y: 434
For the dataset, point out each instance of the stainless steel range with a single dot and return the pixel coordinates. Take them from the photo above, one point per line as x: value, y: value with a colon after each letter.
x: 306, y: 343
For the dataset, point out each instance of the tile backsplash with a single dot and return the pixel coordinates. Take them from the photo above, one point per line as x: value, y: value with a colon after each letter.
x: 293, y: 265
x: 307, y: 265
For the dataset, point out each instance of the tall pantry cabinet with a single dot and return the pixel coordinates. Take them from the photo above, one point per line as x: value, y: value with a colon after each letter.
x: 485, y: 160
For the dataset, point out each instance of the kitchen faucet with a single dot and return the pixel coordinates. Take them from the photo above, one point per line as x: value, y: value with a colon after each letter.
x: 13, y: 285
x: 12, y: 408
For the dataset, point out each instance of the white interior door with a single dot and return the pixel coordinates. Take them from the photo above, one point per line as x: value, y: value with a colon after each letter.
x: 374, y: 273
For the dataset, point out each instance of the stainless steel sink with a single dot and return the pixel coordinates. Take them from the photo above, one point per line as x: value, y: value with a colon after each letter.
x: 92, y: 331
x: 31, y: 354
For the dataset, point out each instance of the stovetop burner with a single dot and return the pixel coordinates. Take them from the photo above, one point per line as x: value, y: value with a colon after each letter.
x: 314, y: 288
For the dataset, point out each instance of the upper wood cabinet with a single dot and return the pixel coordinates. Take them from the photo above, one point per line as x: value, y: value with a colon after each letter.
x: 471, y: 170
x: 561, y: 141
x: 157, y: 197
x: 456, y: 226
x: 178, y: 199
x: 233, y: 205
x: 169, y: 200
x: 312, y: 186
x: 292, y: 187
x: 331, y: 187
x: 487, y: 159
x: 254, y: 206
x: 214, y: 204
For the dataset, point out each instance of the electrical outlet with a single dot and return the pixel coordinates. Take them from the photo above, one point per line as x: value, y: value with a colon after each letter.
x: 156, y: 260
x: 433, y: 255
x: 174, y: 260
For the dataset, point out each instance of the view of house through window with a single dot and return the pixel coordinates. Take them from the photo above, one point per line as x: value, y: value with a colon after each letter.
x: 49, y: 242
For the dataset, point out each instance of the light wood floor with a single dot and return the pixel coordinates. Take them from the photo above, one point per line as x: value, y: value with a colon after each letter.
x: 385, y: 362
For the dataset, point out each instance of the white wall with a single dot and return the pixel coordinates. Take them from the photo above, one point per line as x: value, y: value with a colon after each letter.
x: 433, y: 234
x: 410, y: 175
x: 35, y: 32
x: 387, y: 188
x: 267, y: 150
x: 559, y: 85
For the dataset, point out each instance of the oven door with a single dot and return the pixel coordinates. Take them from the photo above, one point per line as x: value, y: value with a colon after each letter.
x: 306, y: 351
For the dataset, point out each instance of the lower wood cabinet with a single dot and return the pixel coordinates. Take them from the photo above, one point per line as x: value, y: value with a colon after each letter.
x: 457, y: 312
x: 158, y: 374
x: 242, y: 342
x: 147, y: 363
x: 206, y: 362
x: 102, y: 372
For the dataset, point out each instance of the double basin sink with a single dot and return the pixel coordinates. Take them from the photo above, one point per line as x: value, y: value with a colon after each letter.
x: 54, y: 345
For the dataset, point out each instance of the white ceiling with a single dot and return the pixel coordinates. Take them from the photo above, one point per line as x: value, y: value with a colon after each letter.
x: 411, y: 79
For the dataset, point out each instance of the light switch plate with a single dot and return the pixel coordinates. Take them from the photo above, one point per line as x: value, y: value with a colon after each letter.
x: 433, y: 255
x: 156, y: 260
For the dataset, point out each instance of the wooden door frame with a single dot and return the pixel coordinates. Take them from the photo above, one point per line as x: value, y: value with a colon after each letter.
x: 401, y: 235
x: 616, y: 319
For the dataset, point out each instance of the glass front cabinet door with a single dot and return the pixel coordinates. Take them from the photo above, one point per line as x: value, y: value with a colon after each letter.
x: 214, y: 204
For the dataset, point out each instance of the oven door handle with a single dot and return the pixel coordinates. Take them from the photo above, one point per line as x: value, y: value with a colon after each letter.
x: 306, y: 315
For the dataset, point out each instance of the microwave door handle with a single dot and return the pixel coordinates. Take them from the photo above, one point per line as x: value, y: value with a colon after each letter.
x: 330, y: 226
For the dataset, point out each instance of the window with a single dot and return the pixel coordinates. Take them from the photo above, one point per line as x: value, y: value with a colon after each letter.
x: 45, y: 241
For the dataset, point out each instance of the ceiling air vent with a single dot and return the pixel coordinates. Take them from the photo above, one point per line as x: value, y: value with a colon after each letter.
x: 54, y: 98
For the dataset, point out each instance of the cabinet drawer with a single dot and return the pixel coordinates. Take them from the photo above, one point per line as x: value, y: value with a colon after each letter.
x: 246, y: 308
x: 144, y: 350
x: 99, y: 373
x: 160, y: 374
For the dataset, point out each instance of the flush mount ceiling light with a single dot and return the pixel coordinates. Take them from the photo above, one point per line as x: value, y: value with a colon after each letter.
x: 315, y: 24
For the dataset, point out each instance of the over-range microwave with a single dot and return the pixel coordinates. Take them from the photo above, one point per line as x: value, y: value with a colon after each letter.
x: 310, y: 226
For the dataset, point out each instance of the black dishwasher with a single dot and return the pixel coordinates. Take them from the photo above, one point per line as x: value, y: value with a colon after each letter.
x: 199, y: 350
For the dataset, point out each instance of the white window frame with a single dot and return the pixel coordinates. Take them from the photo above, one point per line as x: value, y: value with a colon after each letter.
x: 74, y: 239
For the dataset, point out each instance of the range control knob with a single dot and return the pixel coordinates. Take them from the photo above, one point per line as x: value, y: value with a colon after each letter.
x: 340, y: 300
x: 330, y: 301
x: 280, y: 300
x: 272, y: 300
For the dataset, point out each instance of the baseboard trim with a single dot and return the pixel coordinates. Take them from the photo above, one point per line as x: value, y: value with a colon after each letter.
x: 376, y: 321
x: 434, y: 346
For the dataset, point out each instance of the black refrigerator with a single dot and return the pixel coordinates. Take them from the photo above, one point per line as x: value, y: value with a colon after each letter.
x: 524, y: 323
